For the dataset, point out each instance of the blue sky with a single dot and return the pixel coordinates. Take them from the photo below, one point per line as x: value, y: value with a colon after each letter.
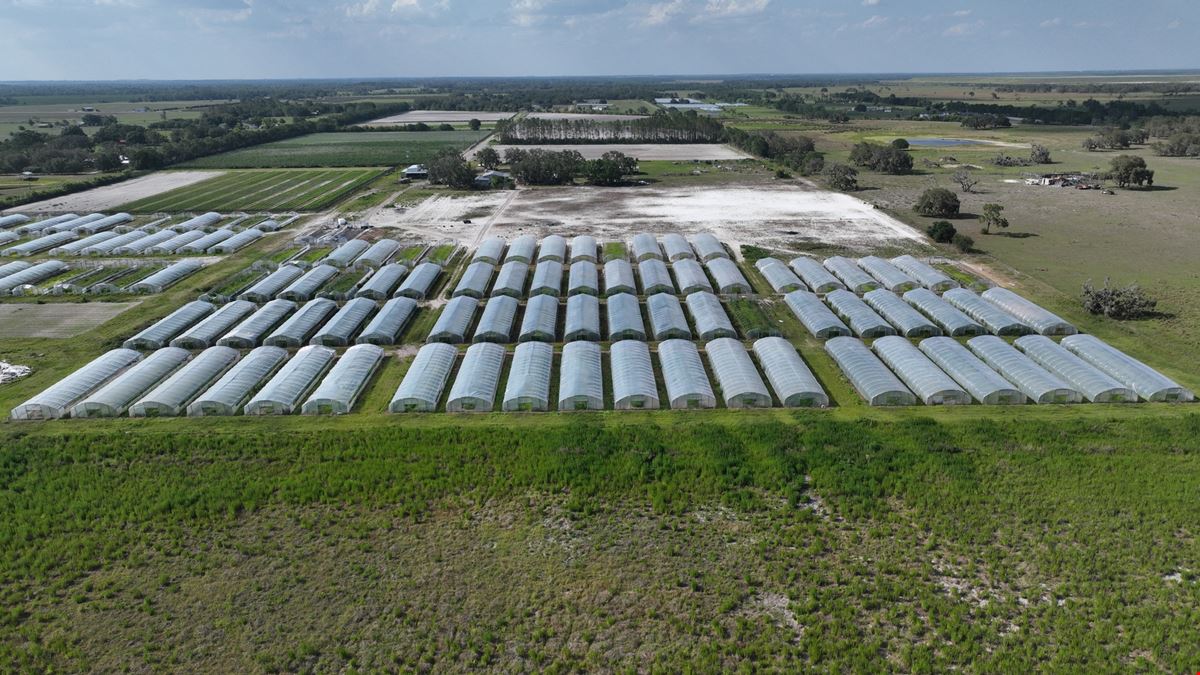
x: 186, y: 39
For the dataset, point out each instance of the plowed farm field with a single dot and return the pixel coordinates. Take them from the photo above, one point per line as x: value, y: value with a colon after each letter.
x: 259, y: 190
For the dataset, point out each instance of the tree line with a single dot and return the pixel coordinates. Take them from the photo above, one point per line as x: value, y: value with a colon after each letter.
x: 662, y: 127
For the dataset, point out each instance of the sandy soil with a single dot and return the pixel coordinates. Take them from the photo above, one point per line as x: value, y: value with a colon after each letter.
x: 56, y: 320
x: 110, y: 196
x: 414, y: 116
x: 669, y: 151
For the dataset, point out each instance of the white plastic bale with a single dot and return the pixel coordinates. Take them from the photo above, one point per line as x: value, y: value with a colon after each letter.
x: 867, y: 374
x: 522, y: 249
x: 814, y: 275
x: 281, y: 395
x: 583, y: 247
x: 205, y: 333
x: 667, y: 320
x: 690, y: 277
x: 583, y: 278
x: 553, y: 247
x: 341, y: 329
x: 251, y: 331
x: 378, y: 253
x: 851, y: 274
x: 540, y: 321
x: 907, y: 321
x: 709, y: 316
x: 580, y: 380
x: 645, y: 247
x: 170, y: 399
x: 926, y: 275
x: 227, y: 395
x: 306, y: 287
x: 708, y: 247
x: 547, y: 278
x: 677, y: 248
x: 814, y: 315
x: 511, y: 280
x: 454, y: 321
x: 1146, y: 381
x: 655, y: 277
x: 475, y: 280
x: 420, y: 282
x: 729, y: 279
x: 624, y: 316
x: 300, y: 326
x: 161, y: 332
x: 983, y: 383
x: 618, y: 277
x: 861, y: 318
x: 31, y: 275
x: 270, y: 286
x: 474, y: 388
x: 780, y: 277
x: 583, y: 319
x: 56, y: 400
x: 1031, y: 314
x: 1039, y: 384
x: 993, y: 318
x: 347, y: 253
x: 496, y: 322
x: 383, y: 282
x: 422, y: 386
x: 387, y: 325
x: 528, y: 387
x: 114, y: 398
x: 893, y: 278
x: 684, y: 376
x: 949, y: 318
x: 632, y: 376
x: 923, y: 376
x: 1094, y: 384
x: 344, y: 383
x: 793, y: 382
x: 741, y: 385
x: 490, y: 251
x: 166, y: 277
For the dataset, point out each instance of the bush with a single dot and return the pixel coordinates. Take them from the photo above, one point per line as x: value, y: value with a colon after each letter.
x: 963, y: 243
x: 941, y: 231
x: 1130, y: 170
x: 841, y: 177
x: 937, y: 202
x: 1130, y: 302
x: 900, y: 144
x: 882, y: 158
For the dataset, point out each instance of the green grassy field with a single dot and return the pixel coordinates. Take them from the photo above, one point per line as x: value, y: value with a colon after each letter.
x: 343, y: 149
x: 263, y: 190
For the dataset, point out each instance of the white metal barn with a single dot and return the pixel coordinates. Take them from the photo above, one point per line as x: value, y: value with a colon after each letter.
x: 893, y: 278
x: 624, y: 315
x: 709, y: 316
x: 547, y: 279
x: 251, y: 331
x: 300, y: 326
x: 618, y: 277
x: 1034, y: 381
x: 347, y: 253
x: 583, y: 319
x: 583, y: 247
x: 655, y: 277
x: 923, y: 377
x: 781, y: 277
x: 270, y: 286
x: 985, y: 384
x: 341, y: 387
x: 645, y: 247
x: 281, y: 395
x: 690, y: 277
x: 528, y: 387
x: 114, y: 398
x: 814, y: 275
x: 949, y: 318
x: 474, y: 388
x: 741, y: 385
x: 540, y: 322
x: 1095, y: 385
x: 1146, y: 381
x: 870, y: 377
x: 511, y: 280
x: 56, y: 401
x: 667, y: 320
x: 341, y: 329
x: 161, y: 332
x: 205, y: 333
x: 496, y: 322
x: 992, y: 317
x: 684, y: 376
x: 419, y: 283
x: 171, y: 397
x: 851, y: 274
x: 553, y: 247
x: 793, y: 382
x: 306, y: 287
x: 378, y: 254
x: 729, y: 279
x: 455, y: 320
x: 708, y: 247
x: 580, y: 380
x: 387, y: 325
x: 583, y: 278
x: 383, y: 282
x: 632, y: 375
x: 908, y: 321
x: 677, y: 247
x: 1031, y: 314
x: 926, y: 275
x: 523, y: 249
x: 166, y: 277
x: 490, y: 251
x: 230, y: 393
x: 474, y: 281
x: 816, y: 317
x: 422, y: 386
x: 862, y: 319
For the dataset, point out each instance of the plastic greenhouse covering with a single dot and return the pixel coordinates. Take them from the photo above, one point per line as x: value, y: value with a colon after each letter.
x: 381, y: 284
x: 237, y: 241
x: 522, y: 249
x: 55, y: 401
x: 862, y: 319
x: 816, y: 317
x: 170, y: 398
x: 268, y: 226
x: 345, y: 254
x: 741, y: 385
x: 452, y: 325
x: 250, y: 332
x: 490, y: 251
x: 28, y: 227
x: 949, y: 318
x: 70, y: 225
x: 306, y: 287
x: 893, y: 278
x: 618, y: 277
x: 1036, y: 317
x: 781, y: 277
x: 528, y: 385
x: 583, y: 278
x: 177, y: 242
x: 200, y: 222
x: 229, y: 393
x: 114, y: 398
x: 580, y: 380
x: 205, y: 333
x: 1094, y: 384
x: 9, y: 236
x: 341, y: 329
x: 729, y: 278
x: 342, y: 386
x: 632, y: 375
x: 547, y: 278
x: 645, y: 247
x: 164, y: 278
x: 378, y: 253
x: 31, y: 275
x: 474, y: 281
x: 985, y: 384
x: 109, y: 245
x: 923, y: 376
x: 496, y: 322
x: 540, y: 321
x: 708, y: 247
x: 14, y: 267
x: 14, y: 219
x: 583, y: 319
x: 511, y: 280
x: 690, y: 277
x: 281, y: 395
x: 908, y: 321
x: 848, y: 271
x: 583, y: 247
x: 422, y: 386
x: 709, y: 316
x: 159, y: 333
x: 926, y: 275
x: 474, y: 388
x: 683, y: 374
x: 677, y: 247
x: 870, y: 377
x: 420, y: 282
x: 387, y: 325
x: 1033, y: 380
x: 104, y: 223
x: 667, y: 320
x: 299, y: 327
x: 792, y: 380
x: 196, y: 244
x: 553, y: 247
x: 270, y: 285
x: 143, y: 244
x: 43, y: 243
x: 624, y: 318
x: 1146, y: 381
x: 74, y: 247
x: 655, y: 277
x: 993, y: 318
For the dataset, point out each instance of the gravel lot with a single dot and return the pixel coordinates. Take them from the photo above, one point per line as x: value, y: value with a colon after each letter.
x: 109, y: 196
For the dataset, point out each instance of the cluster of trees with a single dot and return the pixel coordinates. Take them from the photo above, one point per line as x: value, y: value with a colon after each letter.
x: 447, y: 167
x: 611, y: 169
x: 881, y: 158
x: 1129, y: 302
x: 943, y: 232
x: 544, y: 167
x: 798, y: 153
x: 1112, y: 138
x: 418, y: 126
x: 662, y: 127
x: 1038, y: 154
x: 1130, y: 170
x: 937, y: 203
x: 985, y: 121
x: 841, y: 177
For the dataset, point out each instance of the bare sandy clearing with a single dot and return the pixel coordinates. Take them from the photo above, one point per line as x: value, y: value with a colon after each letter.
x: 111, y: 196
x: 669, y: 151
x: 56, y: 320
x: 414, y: 116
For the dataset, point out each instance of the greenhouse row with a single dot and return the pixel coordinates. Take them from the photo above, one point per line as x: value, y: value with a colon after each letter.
x: 99, y: 235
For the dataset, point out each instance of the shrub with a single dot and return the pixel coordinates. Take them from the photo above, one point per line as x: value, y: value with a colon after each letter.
x: 900, y: 144
x: 841, y: 177
x: 941, y: 231
x: 937, y: 202
x: 1130, y: 170
x: 882, y: 158
x: 1130, y: 302
x: 963, y: 242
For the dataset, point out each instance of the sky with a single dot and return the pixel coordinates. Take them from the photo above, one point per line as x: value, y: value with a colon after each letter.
x: 251, y: 39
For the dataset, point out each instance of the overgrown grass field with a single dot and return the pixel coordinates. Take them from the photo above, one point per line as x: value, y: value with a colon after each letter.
x: 344, y: 149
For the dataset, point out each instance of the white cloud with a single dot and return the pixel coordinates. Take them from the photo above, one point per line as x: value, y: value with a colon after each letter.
x: 874, y: 21
x: 961, y: 12
x: 661, y: 12
x: 1174, y: 24
x: 870, y: 3
x: 722, y: 8
x: 962, y: 29
x: 1051, y: 23
x: 206, y: 18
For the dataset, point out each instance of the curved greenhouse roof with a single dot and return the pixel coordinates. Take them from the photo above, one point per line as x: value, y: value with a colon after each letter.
x: 974, y: 375
x: 862, y: 319
x: 583, y: 278
x: 43, y: 243
x: 161, y: 332
x: 422, y: 386
x: 170, y: 399
x: 624, y: 318
x: 893, y: 278
x: 741, y: 385
x: 1031, y: 314
x: 14, y: 267
x: 143, y: 244
x: 677, y: 247
x: 553, y: 247
x: 908, y: 321
x: 618, y: 277
x: 511, y: 280
x: 645, y: 247
x: 926, y: 275
x: 583, y: 247
x: 690, y: 277
x: 781, y: 277
x: 281, y: 395
x: 387, y: 325
x: 341, y: 387
x: 1146, y: 381
x: 114, y: 398
x: 655, y: 277
x: 197, y: 241
x: 474, y: 388
x: 490, y: 251
x: 205, y: 333
x: 345, y: 254
x: 522, y: 249
x: 229, y: 393
x: 250, y: 332
x: 475, y: 280
x: 27, y: 227
x: 56, y: 400
x: 341, y: 329
x: 580, y: 381
x: 306, y: 287
x: 77, y: 246
x: 848, y: 271
x: 992, y: 317
x: 708, y: 247
x: 1094, y: 384
x: 379, y: 286
x: 540, y: 321
x: 104, y: 223
x: 299, y: 327
x: 378, y: 253
x: 949, y: 318
x: 923, y: 377
x: 166, y: 277
x: 816, y: 317
x: 814, y: 275
x: 71, y: 225
x: 200, y: 222
x: 793, y: 382
x: 709, y: 316
x: 420, y: 282
x: 547, y: 278
x: 870, y: 377
x: 270, y: 285
x: 583, y: 319
x: 728, y: 277
x: 238, y: 241
x: 667, y: 320
x: 175, y: 243
x: 1032, y: 379
x: 455, y: 320
x: 109, y: 245
x: 632, y: 376
x: 31, y: 275
x: 528, y: 387
x: 683, y: 374
x: 496, y: 322
x: 14, y: 219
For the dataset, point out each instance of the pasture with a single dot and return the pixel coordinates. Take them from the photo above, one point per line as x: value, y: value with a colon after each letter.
x: 344, y: 149
x: 259, y: 190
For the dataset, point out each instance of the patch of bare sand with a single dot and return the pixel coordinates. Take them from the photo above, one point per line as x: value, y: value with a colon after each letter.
x: 111, y: 196
x: 414, y: 116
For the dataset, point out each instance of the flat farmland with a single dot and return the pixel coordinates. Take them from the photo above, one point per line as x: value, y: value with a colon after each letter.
x: 428, y: 116
x: 649, y: 151
x: 56, y: 320
x: 261, y: 190
x: 343, y: 149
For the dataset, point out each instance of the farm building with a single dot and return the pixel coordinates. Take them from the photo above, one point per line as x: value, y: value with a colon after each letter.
x: 528, y: 387
x: 709, y: 316
x: 300, y: 326
x: 708, y: 247
x: 583, y: 319
x: 228, y: 394
x: 618, y: 277
x: 281, y: 395
x: 205, y: 333
x: 174, y: 244
x: 378, y: 254
x: 455, y: 320
x: 728, y: 277
x: 166, y: 277
x: 195, y: 244
x: 683, y: 374
x: 690, y: 277
x: 341, y: 387
x: 161, y: 332
x: 926, y: 275
x: 1031, y: 314
x: 380, y: 285
x: 114, y: 398
x: 200, y: 222
x: 416, y: 172
x: 31, y: 275
x: 907, y: 321
x: 814, y: 275
x: 547, y: 278
x: 892, y: 277
x: 580, y: 380
x: 540, y: 321
x: 624, y: 318
x: 922, y: 376
x: 1094, y: 384
x: 677, y: 247
x: 741, y: 385
x: 553, y: 247
x: 270, y: 225
x: 848, y: 271
x: 632, y: 375
x: 870, y: 377
x: 345, y: 255
x: 861, y: 318
x: 474, y: 388
x: 237, y: 241
x: 422, y: 386
x: 341, y: 329
x: 781, y: 277
x: 655, y: 277
x: 496, y: 322
x: 793, y: 382
x: 171, y: 397
x: 1034, y: 381
x: 251, y: 331
x: 272, y: 284
x: 993, y: 318
x: 816, y: 317
x: 75, y: 247
x: 511, y: 280
x: 522, y: 250
x: 645, y: 247
x: 490, y: 251
x: 949, y: 318
x: 1141, y: 378
x: 475, y: 280
x: 306, y: 287
x: 667, y: 320
x: 583, y: 248
x: 42, y: 243
x: 55, y: 401
x: 387, y: 325
x: 419, y: 283
x: 583, y: 278
x: 974, y: 375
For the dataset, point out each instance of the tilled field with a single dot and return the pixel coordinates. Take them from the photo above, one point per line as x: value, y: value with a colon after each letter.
x: 283, y: 189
